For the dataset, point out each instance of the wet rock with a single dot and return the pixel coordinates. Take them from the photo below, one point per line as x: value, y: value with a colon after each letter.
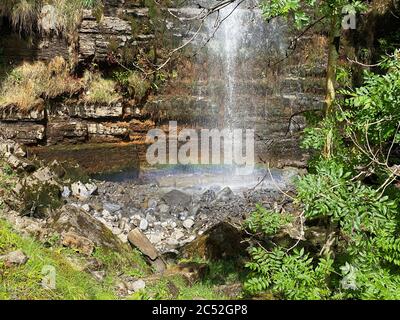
x: 14, y: 258
x: 75, y: 241
x: 176, y: 198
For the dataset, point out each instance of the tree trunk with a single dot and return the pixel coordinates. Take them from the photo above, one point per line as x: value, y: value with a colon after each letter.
x: 333, y: 55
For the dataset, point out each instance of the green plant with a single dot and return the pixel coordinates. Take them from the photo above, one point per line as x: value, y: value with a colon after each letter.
x: 288, y: 276
x: 100, y: 90
x: 133, y: 84
x: 267, y: 222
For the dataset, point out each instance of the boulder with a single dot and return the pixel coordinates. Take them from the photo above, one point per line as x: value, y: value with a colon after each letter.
x: 74, y: 219
x: 219, y: 242
x: 176, y: 198
x: 225, y: 194
x: 141, y: 242
x: 14, y: 258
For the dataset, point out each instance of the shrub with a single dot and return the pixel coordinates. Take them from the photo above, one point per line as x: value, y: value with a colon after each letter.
x: 133, y: 83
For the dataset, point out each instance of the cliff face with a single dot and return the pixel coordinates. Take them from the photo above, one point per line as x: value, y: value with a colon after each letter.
x: 273, y: 99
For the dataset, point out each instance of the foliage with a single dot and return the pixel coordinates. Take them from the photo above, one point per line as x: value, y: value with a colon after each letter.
x: 266, y: 221
x: 100, y: 90
x: 133, y: 83
x: 288, y: 276
x: 302, y: 11
x: 361, y: 256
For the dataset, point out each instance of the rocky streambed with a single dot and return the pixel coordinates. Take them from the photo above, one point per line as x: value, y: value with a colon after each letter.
x: 172, y: 210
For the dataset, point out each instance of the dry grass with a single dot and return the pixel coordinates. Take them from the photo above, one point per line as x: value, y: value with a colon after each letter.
x: 63, y: 15
x: 100, y: 90
x: 28, y: 84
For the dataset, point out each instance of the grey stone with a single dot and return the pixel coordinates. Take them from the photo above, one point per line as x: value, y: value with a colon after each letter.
x: 14, y: 258
x: 144, y: 224
x: 225, y: 194
x: 163, y: 208
x: 136, y: 286
x: 208, y: 196
x: 66, y: 192
x: 111, y: 207
x: 177, y: 198
x: 188, y: 223
x: 86, y: 207
x: 81, y: 191
x: 152, y: 203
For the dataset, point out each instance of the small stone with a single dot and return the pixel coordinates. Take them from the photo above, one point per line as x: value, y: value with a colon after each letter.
x: 188, y: 223
x: 143, y: 225
x: 163, y: 208
x: 225, y: 194
x: 86, y: 207
x: 99, y: 275
x: 177, y: 235
x: 91, y: 187
x: 183, y: 215
x: 80, y: 191
x: 111, y: 207
x: 66, y: 192
x: 155, y: 238
x: 14, y: 258
x: 152, y: 204
x: 117, y: 231
x: 136, y: 285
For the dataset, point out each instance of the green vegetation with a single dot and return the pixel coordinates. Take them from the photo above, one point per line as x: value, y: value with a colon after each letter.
x: 25, y: 281
x: 349, y: 193
x: 100, y: 90
x: 133, y: 84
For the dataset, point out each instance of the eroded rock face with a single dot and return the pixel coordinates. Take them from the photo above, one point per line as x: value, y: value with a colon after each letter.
x: 72, y: 219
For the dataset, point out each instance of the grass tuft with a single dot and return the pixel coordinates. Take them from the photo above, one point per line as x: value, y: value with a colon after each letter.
x: 26, y: 86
